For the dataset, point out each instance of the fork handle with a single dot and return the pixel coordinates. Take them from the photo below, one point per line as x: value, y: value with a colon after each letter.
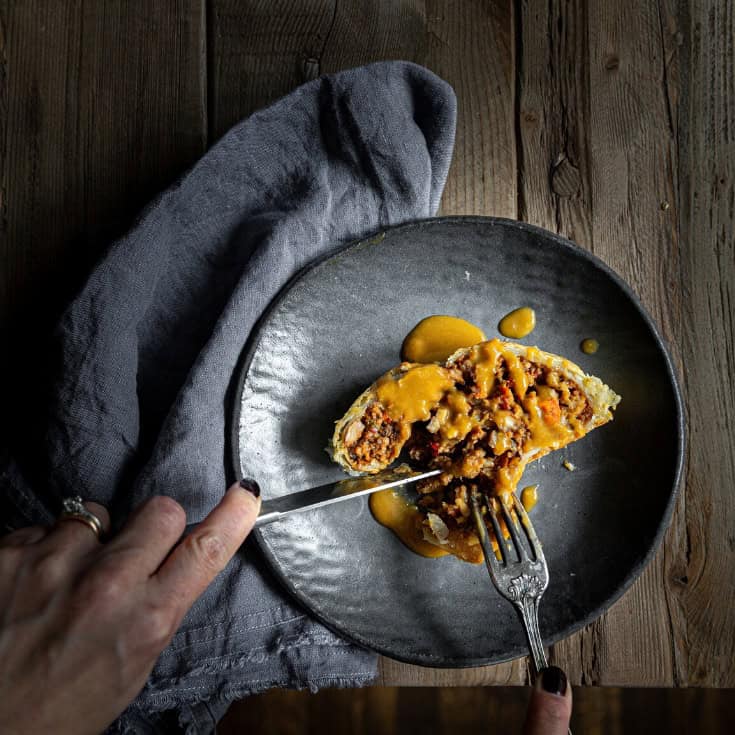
x: 527, y: 609
x: 528, y: 613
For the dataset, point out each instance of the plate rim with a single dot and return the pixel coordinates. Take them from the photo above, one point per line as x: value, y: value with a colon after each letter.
x: 253, y: 340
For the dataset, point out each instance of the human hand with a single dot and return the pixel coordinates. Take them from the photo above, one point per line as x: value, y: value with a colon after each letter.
x: 82, y: 623
x: 550, y: 707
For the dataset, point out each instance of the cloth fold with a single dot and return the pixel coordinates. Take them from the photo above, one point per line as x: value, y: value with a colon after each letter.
x: 149, y: 347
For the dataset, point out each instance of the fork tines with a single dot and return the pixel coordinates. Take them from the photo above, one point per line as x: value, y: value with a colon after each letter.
x: 508, y: 511
x: 520, y: 574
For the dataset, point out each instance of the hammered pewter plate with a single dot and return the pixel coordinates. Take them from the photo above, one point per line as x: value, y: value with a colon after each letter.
x: 340, y: 324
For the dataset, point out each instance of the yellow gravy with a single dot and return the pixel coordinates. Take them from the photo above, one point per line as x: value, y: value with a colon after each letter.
x: 412, y: 396
x: 394, y: 511
x: 435, y: 338
x: 518, y: 323
x: 529, y: 496
x: 432, y: 340
x: 590, y: 346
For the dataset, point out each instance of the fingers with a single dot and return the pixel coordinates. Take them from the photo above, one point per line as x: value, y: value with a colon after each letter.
x: 75, y: 538
x: 15, y: 549
x: 550, y: 708
x: 198, y: 559
x: 48, y: 562
x: 24, y: 536
x: 149, y: 534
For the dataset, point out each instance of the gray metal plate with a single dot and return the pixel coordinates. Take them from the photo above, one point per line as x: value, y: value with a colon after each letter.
x: 340, y: 325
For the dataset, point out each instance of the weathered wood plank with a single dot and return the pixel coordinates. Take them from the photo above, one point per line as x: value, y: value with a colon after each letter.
x: 260, y: 50
x: 447, y: 711
x: 40, y: 130
x: 103, y: 106
x: 633, y: 64
x: 472, y: 46
x: 708, y: 341
x: 396, y: 673
x: 363, y: 32
x: 597, y: 126
x: 553, y: 118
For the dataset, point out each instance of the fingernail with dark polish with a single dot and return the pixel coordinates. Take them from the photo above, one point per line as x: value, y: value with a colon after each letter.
x: 554, y: 680
x: 251, y: 486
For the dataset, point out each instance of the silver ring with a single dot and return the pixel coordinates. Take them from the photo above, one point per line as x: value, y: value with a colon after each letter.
x: 72, y: 509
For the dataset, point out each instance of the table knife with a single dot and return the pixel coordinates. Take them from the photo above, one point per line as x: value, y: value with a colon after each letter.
x: 335, y: 492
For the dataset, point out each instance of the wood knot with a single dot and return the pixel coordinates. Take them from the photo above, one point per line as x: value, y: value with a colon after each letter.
x: 565, y: 178
x: 612, y: 62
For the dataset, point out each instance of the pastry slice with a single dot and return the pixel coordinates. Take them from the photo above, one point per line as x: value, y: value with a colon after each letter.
x: 480, y: 417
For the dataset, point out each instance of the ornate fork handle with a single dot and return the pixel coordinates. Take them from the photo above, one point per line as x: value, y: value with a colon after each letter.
x: 525, y: 592
x: 519, y: 572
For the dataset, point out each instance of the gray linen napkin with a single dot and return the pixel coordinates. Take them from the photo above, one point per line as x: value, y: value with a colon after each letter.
x: 150, y: 345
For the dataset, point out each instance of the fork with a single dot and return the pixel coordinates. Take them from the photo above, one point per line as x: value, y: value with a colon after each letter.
x: 521, y: 575
x: 521, y: 581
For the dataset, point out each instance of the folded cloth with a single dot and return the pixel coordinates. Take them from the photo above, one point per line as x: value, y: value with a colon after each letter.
x: 150, y: 345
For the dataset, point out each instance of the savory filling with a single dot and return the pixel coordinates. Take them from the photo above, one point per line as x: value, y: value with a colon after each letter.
x: 374, y: 438
x: 480, y: 420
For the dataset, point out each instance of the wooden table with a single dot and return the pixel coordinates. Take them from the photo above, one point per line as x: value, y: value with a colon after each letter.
x: 612, y: 123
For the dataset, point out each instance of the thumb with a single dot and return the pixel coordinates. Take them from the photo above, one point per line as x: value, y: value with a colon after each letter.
x: 550, y: 707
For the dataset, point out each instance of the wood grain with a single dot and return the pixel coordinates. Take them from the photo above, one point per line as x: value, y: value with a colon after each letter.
x: 102, y: 106
x: 708, y: 341
x: 448, y: 711
x: 396, y: 673
x: 258, y: 51
x: 471, y: 45
x: 364, y: 32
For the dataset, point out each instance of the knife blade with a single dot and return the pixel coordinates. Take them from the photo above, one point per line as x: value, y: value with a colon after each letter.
x: 335, y: 492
